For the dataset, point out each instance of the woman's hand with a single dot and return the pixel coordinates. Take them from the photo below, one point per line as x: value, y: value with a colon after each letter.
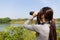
x: 35, y: 14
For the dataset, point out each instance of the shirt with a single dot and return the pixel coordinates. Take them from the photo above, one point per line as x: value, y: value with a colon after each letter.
x: 42, y: 31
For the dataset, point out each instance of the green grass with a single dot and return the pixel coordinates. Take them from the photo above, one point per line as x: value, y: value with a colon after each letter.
x: 58, y: 34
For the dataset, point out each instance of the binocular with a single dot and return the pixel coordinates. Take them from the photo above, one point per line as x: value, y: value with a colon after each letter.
x: 31, y: 12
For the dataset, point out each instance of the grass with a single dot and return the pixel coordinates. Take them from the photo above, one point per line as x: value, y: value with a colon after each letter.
x: 58, y: 34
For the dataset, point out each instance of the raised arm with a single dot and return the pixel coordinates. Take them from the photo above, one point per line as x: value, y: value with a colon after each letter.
x: 27, y: 25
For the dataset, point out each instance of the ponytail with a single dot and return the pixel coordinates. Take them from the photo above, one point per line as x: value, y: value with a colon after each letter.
x: 52, y: 34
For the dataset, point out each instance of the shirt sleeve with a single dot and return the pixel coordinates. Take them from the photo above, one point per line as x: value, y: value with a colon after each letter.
x: 27, y: 25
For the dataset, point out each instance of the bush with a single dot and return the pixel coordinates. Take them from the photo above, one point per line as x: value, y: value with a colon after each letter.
x: 5, y: 20
x: 17, y: 33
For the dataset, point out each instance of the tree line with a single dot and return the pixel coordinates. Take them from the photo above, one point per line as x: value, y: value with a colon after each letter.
x: 5, y: 20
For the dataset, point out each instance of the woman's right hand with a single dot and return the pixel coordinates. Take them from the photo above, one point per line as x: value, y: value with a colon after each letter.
x: 35, y: 14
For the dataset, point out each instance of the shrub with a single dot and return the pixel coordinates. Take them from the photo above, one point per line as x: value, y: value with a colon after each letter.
x: 17, y: 33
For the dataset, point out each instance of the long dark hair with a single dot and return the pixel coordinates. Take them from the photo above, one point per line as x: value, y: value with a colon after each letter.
x: 48, y: 12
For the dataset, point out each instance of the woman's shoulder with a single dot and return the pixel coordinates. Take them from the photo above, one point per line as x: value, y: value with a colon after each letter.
x: 40, y: 25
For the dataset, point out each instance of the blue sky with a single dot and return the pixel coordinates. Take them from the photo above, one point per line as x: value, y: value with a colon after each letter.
x: 21, y: 8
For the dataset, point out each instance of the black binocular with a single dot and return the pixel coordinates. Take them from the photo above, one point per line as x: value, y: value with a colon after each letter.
x: 31, y: 12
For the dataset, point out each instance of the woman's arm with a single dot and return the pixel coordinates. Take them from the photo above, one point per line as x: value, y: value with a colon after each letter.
x: 36, y: 27
x: 27, y: 25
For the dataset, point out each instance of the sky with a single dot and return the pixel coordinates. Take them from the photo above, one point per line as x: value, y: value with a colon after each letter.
x: 20, y: 8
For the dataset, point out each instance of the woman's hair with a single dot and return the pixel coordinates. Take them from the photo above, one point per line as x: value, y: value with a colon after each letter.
x: 52, y: 34
x: 47, y: 11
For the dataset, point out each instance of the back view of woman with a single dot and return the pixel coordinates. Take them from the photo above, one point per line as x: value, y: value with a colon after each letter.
x: 52, y: 34
x: 49, y: 17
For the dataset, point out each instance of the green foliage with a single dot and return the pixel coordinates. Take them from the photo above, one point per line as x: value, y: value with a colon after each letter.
x: 57, y: 20
x: 17, y: 33
x: 58, y: 34
x: 5, y: 20
x: 29, y: 35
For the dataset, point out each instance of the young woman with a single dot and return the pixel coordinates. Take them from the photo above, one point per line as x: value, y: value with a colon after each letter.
x: 49, y: 17
x: 42, y: 28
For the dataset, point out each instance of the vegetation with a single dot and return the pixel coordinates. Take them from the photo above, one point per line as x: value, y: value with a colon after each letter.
x: 58, y: 34
x: 5, y: 20
x: 57, y: 20
x: 21, y: 21
x: 18, y: 33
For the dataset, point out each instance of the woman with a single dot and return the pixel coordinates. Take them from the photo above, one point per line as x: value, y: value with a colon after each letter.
x: 49, y: 16
x: 42, y: 29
